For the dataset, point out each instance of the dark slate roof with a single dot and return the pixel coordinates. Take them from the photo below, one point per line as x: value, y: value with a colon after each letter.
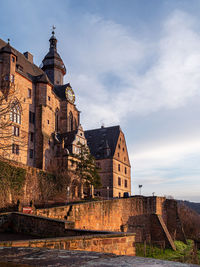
x: 101, y: 140
x: 60, y: 90
x: 27, y: 69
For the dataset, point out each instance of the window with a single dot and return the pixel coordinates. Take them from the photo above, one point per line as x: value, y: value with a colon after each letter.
x: 70, y: 122
x: 119, y: 167
x: 31, y: 117
x: 15, y: 149
x: 118, y: 155
x: 13, y: 59
x: 29, y: 93
x: 119, y: 181
x: 31, y: 136
x: 47, y: 121
x: 125, y: 170
x: 15, y: 131
x: 119, y: 146
x: 30, y: 153
x: 49, y: 98
x: 119, y: 194
x: 125, y: 183
x: 123, y: 149
x: 12, y: 78
x: 15, y: 114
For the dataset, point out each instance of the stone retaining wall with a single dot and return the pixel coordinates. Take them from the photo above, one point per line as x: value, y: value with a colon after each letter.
x: 119, y: 244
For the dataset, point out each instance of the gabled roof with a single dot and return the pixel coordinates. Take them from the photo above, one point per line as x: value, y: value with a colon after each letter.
x: 30, y: 70
x: 102, y: 142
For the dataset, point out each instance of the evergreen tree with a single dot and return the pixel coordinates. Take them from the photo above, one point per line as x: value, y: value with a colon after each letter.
x: 86, y: 167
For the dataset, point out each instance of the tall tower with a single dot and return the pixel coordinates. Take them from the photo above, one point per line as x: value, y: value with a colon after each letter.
x: 53, y: 65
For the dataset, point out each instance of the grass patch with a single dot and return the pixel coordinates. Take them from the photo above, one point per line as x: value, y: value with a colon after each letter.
x: 184, y: 252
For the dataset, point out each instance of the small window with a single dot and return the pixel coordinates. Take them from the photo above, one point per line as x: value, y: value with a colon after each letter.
x: 13, y: 59
x: 31, y: 117
x: 119, y: 194
x: 123, y: 149
x: 15, y: 149
x: 119, y: 181
x: 119, y: 167
x: 31, y: 136
x: 125, y: 183
x: 124, y: 158
x: 118, y: 155
x: 29, y: 93
x: 49, y: 98
x: 47, y: 121
x: 30, y: 153
x: 12, y: 78
x: 125, y: 170
x: 119, y: 146
x: 15, y: 131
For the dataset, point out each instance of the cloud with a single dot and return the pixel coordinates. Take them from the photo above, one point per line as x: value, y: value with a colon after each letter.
x: 169, y: 169
x: 147, y: 77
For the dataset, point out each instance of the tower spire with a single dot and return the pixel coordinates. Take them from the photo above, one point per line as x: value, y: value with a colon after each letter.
x: 53, y: 40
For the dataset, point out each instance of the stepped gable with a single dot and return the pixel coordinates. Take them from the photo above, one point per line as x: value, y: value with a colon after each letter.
x: 101, y: 139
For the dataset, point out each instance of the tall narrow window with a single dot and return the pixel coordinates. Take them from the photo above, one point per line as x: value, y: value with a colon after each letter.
x: 15, y: 131
x: 29, y: 93
x: 119, y: 167
x: 15, y: 113
x: 70, y: 122
x: 15, y: 149
x: 31, y: 117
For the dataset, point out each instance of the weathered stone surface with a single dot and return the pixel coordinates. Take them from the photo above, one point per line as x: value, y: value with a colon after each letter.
x: 52, y: 258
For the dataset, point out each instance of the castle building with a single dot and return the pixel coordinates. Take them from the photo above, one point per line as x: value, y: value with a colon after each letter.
x: 46, y: 121
x: 45, y: 129
x: 108, y: 146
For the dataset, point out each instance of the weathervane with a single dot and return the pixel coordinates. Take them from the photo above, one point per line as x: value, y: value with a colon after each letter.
x: 8, y: 41
x: 53, y: 28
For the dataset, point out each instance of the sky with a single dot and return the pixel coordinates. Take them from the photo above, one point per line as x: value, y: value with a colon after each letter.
x: 133, y: 63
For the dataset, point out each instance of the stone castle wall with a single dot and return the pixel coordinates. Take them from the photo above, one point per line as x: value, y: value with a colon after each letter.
x: 148, y: 217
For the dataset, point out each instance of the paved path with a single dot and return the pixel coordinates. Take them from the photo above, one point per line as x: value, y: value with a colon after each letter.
x: 57, y: 258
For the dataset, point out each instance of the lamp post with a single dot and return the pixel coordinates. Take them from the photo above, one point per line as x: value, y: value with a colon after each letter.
x: 140, y: 187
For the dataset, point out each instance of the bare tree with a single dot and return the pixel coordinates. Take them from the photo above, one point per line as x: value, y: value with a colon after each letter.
x: 10, y: 120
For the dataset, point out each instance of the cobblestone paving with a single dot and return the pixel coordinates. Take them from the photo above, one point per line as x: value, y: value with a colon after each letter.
x: 53, y: 258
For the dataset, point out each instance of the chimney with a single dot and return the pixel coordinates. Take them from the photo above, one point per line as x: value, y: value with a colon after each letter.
x: 29, y: 56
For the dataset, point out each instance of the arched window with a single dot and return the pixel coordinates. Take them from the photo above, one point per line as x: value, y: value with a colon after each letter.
x: 70, y: 122
x: 15, y: 113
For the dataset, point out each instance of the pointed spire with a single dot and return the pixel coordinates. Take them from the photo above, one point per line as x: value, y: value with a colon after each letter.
x: 53, y: 40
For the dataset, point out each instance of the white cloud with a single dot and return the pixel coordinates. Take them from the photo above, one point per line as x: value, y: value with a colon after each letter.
x: 162, y: 74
